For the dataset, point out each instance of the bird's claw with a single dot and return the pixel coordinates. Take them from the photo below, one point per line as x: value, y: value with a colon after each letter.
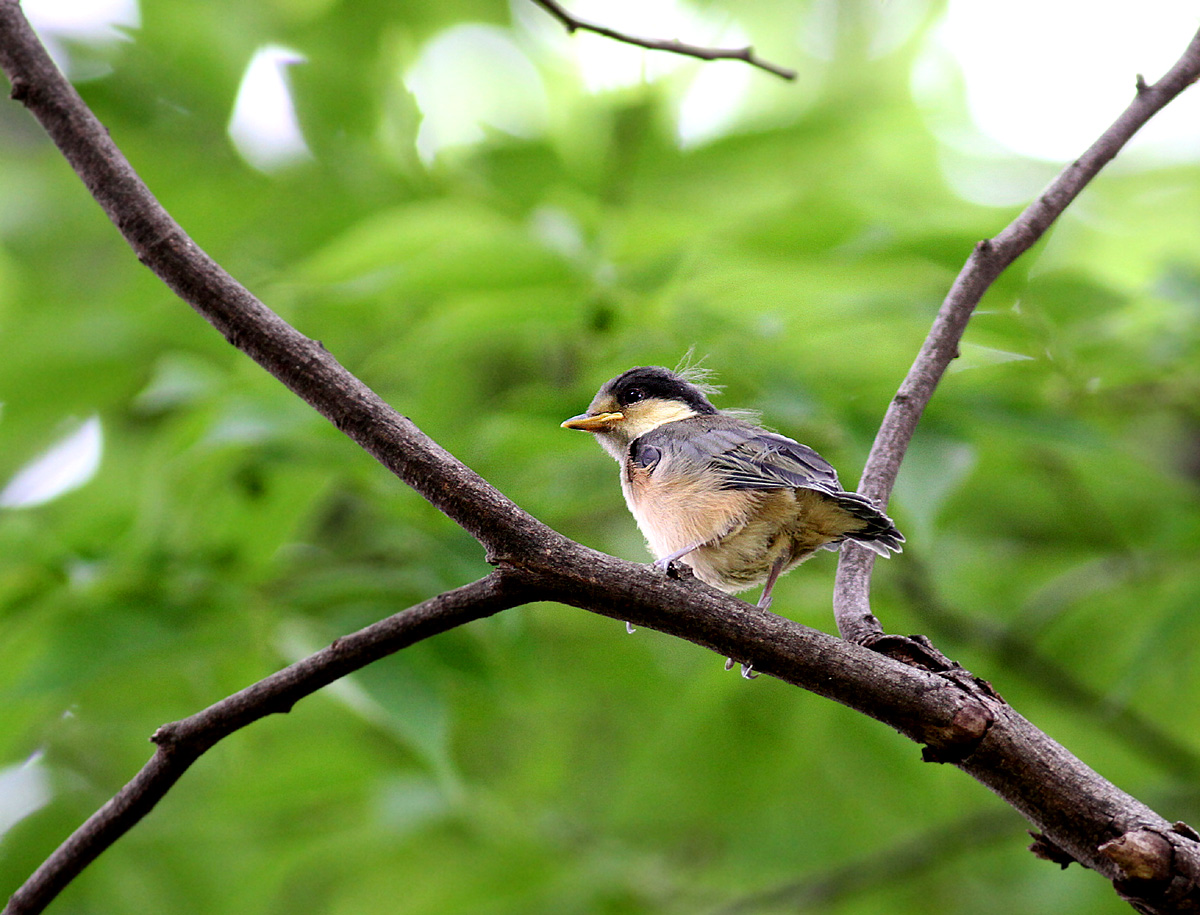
x: 673, y: 568
x: 747, y: 668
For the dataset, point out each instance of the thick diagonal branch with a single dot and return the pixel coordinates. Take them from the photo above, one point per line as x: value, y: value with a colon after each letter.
x: 302, y: 364
x: 991, y: 257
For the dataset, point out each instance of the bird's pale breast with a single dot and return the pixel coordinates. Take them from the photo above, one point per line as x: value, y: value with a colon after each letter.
x: 743, y: 532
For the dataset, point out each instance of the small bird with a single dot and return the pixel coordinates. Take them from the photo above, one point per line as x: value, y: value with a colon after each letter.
x: 738, y: 504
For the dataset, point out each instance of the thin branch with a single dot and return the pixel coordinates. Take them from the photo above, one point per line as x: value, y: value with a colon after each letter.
x: 180, y: 744
x: 851, y: 602
x: 575, y: 24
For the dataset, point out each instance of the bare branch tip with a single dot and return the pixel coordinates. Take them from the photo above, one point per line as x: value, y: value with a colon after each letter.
x: 747, y: 54
x: 1141, y: 84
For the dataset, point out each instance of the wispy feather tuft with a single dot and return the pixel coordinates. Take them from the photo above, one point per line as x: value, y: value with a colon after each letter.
x: 693, y: 371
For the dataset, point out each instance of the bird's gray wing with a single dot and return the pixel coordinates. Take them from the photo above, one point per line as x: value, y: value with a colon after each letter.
x: 765, y: 460
x: 743, y: 456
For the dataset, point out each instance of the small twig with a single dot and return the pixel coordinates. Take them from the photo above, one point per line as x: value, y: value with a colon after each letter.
x: 575, y: 24
x: 991, y: 257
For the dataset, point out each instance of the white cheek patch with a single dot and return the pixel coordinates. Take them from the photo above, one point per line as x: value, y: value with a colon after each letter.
x: 649, y: 414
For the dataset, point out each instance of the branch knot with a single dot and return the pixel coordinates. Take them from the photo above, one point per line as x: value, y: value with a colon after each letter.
x: 1141, y: 854
x: 956, y: 741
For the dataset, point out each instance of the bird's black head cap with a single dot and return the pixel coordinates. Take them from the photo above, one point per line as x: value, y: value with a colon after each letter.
x: 655, y: 381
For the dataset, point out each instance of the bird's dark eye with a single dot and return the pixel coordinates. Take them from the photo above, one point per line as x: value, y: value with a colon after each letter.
x: 633, y: 395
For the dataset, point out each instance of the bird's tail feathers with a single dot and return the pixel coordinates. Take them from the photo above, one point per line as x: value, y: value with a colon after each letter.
x: 879, y: 533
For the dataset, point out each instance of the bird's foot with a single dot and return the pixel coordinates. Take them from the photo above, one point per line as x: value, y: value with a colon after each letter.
x: 747, y: 668
x: 680, y: 571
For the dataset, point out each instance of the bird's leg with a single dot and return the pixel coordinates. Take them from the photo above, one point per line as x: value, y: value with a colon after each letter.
x: 763, y: 603
x: 665, y: 561
x: 629, y: 627
x: 776, y: 567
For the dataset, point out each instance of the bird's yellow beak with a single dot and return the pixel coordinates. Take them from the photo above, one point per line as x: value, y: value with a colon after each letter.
x: 593, y: 422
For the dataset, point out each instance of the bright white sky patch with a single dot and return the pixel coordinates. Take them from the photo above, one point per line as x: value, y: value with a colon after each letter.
x: 24, y: 789
x: 264, y: 128
x: 472, y: 77
x: 65, y: 466
x: 717, y: 94
x: 715, y: 98
x: 87, y: 21
x: 1045, y: 77
x: 82, y: 19
x: 605, y: 64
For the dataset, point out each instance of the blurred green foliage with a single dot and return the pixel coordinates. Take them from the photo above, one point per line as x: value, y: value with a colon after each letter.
x: 543, y: 760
